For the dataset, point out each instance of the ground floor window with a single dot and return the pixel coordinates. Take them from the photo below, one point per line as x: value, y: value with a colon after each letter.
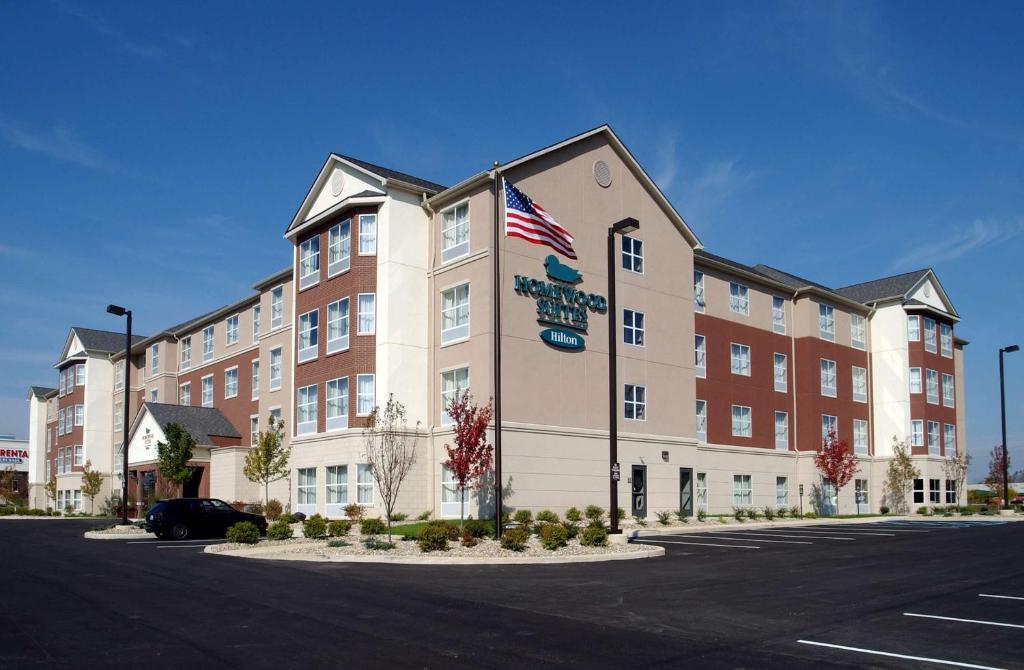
x: 829, y: 498
x: 337, y: 484
x: 364, y: 484
x: 860, y: 492
x: 782, y: 491
x: 307, y: 486
x: 702, y: 492
x: 742, y: 490
x: 950, y: 491
x: 918, y: 491
x: 77, y: 500
x: 451, y: 501
x: 934, y: 491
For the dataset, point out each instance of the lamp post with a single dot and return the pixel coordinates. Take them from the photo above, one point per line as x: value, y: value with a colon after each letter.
x: 621, y: 228
x: 1002, y: 409
x: 117, y: 310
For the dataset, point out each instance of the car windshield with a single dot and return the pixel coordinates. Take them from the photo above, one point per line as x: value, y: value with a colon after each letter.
x: 220, y: 505
x: 158, y: 507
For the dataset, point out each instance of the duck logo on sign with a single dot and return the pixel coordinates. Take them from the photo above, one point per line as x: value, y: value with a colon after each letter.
x: 560, y: 305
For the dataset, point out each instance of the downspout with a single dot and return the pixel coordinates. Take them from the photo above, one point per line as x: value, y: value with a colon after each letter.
x: 432, y: 365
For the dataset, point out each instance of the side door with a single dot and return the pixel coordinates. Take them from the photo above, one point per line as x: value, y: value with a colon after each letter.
x: 639, y: 491
x: 686, y: 491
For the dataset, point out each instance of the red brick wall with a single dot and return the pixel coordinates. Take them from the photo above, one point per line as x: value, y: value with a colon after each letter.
x: 69, y: 400
x: 237, y: 409
x: 811, y: 404
x: 920, y: 408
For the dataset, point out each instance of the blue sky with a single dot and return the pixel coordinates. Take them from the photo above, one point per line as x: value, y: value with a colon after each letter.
x: 839, y: 141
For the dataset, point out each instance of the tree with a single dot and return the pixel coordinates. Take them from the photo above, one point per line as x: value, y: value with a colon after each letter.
x: 267, y: 460
x: 174, y: 454
x: 51, y: 490
x: 836, y: 463
x: 9, y: 486
x: 900, y: 476
x: 955, y: 467
x: 994, y: 479
x: 390, y: 451
x: 92, y: 481
x: 470, y: 458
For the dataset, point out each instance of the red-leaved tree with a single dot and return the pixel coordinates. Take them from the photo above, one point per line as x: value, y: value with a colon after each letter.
x: 836, y: 463
x: 470, y: 458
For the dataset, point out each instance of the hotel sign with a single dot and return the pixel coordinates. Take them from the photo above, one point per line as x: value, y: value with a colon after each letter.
x: 560, y: 305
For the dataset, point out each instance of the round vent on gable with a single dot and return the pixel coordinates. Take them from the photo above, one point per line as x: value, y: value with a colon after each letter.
x: 337, y: 181
x: 602, y: 174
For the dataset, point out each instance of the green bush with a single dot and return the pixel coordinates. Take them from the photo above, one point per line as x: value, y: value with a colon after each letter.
x: 573, y: 515
x: 640, y: 521
x: 547, y: 516
x: 571, y: 529
x: 280, y: 530
x: 468, y: 540
x: 339, y: 527
x: 355, y: 512
x: 769, y: 513
x: 594, y: 536
x: 523, y: 517
x: 781, y: 512
x: 681, y: 515
x: 924, y: 511
x: 701, y: 515
x: 450, y: 530
x: 811, y: 515
x: 515, y: 539
x: 664, y: 517
x: 273, y: 509
x: 244, y: 532
x: 433, y: 538
x: 595, y: 514
x: 967, y: 511
x: 315, y: 526
x: 479, y: 528
x: 378, y: 545
x: 553, y: 536
x: 399, y: 517
x: 6, y: 510
x: 753, y: 514
x: 739, y: 513
x: 622, y: 513
x: 334, y: 544
x: 794, y: 512
x: 423, y: 516
x: 372, y: 526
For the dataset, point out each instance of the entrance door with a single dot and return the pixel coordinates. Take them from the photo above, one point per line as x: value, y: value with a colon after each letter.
x: 686, y: 491
x: 639, y: 495
x: 190, y: 489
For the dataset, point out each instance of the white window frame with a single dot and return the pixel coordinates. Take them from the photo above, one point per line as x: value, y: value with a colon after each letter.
x: 338, y: 238
x: 119, y: 375
x: 699, y: 299
x: 276, y: 307
x: 949, y: 439
x: 305, y: 485
x: 154, y: 359
x: 858, y: 326
x: 208, y: 337
x: 742, y: 421
x: 338, y: 319
x: 946, y: 340
x: 185, y: 394
x: 700, y: 356
x: 455, y: 306
x: 934, y: 438
x: 780, y: 363
x: 360, y: 395
x: 931, y: 386
x: 916, y: 380
x: 360, y: 313
x: 930, y: 343
x: 633, y: 327
x: 275, y: 380
x: 781, y: 440
x: 185, y: 353
x: 257, y: 314
x: 913, y: 328
x: 79, y: 455
x: 231, y: 382
x: 781, y: 492
x: 364, y: 485
x: 306, y: 398
x: 337, y: 486
x: 701, y: 413
x: 826, y: 322
x: 453, y: 381
x: 778, y: 315
x: 861, y: 373
x: 452, y: 228
x: 917, y: 432
x: 828, y: 377
x: 231, y: 330
x: 79, y: 415
x: 369, y: 233
x: 634, y: 401
x: 339, y: 387
x: 203, y: 391
x: 702, y: 491
x: 861, y: 441
x: 737, y: 354
x: 153, y: 395
x: 739, y: 298
x: 742, y: 490
x: 118, y: 416
x: 308, y: 332
x: 254, y: 378
x: 309, y: 262
x: 632, y: 254
x: 254, y: 429
x: 80, y: 374
x: 948, y: 390
x: 829, y: 423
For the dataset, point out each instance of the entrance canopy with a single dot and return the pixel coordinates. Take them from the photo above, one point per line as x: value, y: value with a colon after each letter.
x: 207, y: 426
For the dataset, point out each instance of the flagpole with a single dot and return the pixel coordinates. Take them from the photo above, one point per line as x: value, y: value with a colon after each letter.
x: 497, y: 354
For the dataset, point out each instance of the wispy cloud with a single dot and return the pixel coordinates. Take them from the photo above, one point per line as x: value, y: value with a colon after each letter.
x: 58, y: 141
x: 715, y: 183
x: 668, y: 167
x: 104, y: 28
x: 960, y: 242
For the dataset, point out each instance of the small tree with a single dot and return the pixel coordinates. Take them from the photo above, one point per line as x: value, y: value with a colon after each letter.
x: 994, y: 479
x: 9, y: 486
x: 390, y: 451
x: 470, y: 458
x: 900, y: 476
x: 955, y: 467
x: 51, y: 490
x: 92, y: 481
x: 267, y: 460
x: 836, y: 463
x: 174, y: 454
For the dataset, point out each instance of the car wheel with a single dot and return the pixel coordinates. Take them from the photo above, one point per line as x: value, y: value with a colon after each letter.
x: 180, y: 531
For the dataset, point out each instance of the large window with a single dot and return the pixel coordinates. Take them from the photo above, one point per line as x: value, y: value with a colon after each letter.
x: 700, y: 356
x: 119, y: 415
x: 79, y: 415
x: 254, y: 369
x: 946, y: 339
x: 632, y: 254
x: 119, y: 374
x: 740, y: 359
x: 78, y: 455
x: 917, y: 433
x: 782, y: 431
x: 778, y: 315
x: 915, y: 380
x: 860, y: 384
x: 951, y: 497
x: 781, y: 373
x: 231, y: 330
x: 913, y: 328
x: 365, y: 395
x: 277, y: 307
x: 275, y: 368
x: 860, y: 492
x: 80, y: 374
x: 207, y: 390
x: 947, y: 390
x: 827, y: 322
x: 635, y: 402
x: 451, y: 500
x: 231, y: 382
x: 306, y: 406
x: 702, y: 492
x: 742, y: 490
x: 860, y: 437
x: 932, y: 379
x: 254, y: 430
x: 828, y: 378
x: 339, y: 248
x: 918, y: 491
x: 186, y: 353
x: 308, y: 331
x: 154, y: 359
x: 367, y: 324
x: 702, y: 420
x: 337, y: 404
x: 739, y: 299
x: 741, y: 422
x: 309, y: 262
x: 929, y: 335
x: 455, y: 232
x: 337, y: 326
x: 455, y: 314
x: 364, y: 484
x: 935, y: 491
x: 781, y: 492
x: 949, y: 440
x: 256, y: 313
x: 633, y: 327
x: 207, y: 344
x: 829, y: 426
x: 185, y: 394
x: 337, y: 484
x: 699, y: 304
x: 933, y: 438
x: 367, y: 234
x: 307, y: 486
x: 453, y: 383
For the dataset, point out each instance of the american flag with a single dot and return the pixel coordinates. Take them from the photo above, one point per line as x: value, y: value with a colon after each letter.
x: 527, y: 220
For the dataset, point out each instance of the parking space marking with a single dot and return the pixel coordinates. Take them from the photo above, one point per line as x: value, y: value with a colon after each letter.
x: 719, y: 537
x: 837, y: 531
x: 165, y: 541
x: 990, y: 595
x: 890, y: 654
x: 701, y: 544
x: 950, y: 618
x: 768, y: 532
x: 185, y: 546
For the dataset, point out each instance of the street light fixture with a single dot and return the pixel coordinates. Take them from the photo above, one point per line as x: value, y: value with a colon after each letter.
x: 621, y: 228
x: 1002, y: 408
x: 117, y: 310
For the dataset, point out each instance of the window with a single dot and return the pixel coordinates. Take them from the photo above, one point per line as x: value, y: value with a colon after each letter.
x: 309, y: 262
x: 365, y: 395
x: 698, y: 292
x: 739, y: 300
x: 275, y: 414
x: 79, y: 415
x: 915, y: 380
x: 929, y: 335
x: 933, y: 438
x: 917, y: 433
x: 781, y: 373
x: 254, y: 369
x: 207, y: 344
x: 781, y: 431
x: 364, y: 484
x: 451, y: 500
x: 742, y: 491
x: 947, y: 390
x: 153, y: 395
x: 740, y: 359
x: 119, y: 416
x: 858, y: 331
x: 254, y: 430
x: 860, y: 437
x: 67, y: 459
x: 337, y: 326
x: 231, y: 331
x: 453, y: 383
x: 828, y: 378
x: 60, y: 422
x: 700, y: 356
x: 946, y: 339
x: 307, y: 486
x: 860, y: 492
x: 306, y: 422
x: 207, y: 398
x: 154, y: 359
x: 636, y: 402
x: 367, y: 234
x: 78, y: 500
x: 80, y: 374
x: 277, y: 307
x: 935, y: 490
x: 932, y: 379
x: 308, y: 327
x: 741, y: 421
x: 337, y: 484
x: 702, y: 420
x: 827, y: 322
x: 632, y: 254
x: 633, y: 327
x: 256, y: 313
x: 778, y: 315
x: 119, y: 376
x: 231, y: 382
x: 948, y: 440
x: 919, y: 491
x: 367, y: 324
x: 185, y: 394
x: 454, y: 314
x: 913, y: 328
x: 455, y: 232
x: 860, y: 384
x: 702, y: 491
x: 185, y: 353
x: 78, y: 455
x: 829, y: 426
x: 781, y: 492
x: 337, y: 404
x: 275, y: 368
x: 951, y: 492
x: 63, y: 382
x: 339, y: 248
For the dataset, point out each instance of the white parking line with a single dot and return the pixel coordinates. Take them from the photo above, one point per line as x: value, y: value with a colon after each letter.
x: 184, y: 546
x: 951, y: 618
x: 165, y: 541
x: 875, y: 652
x: 702, y: 544
x: 990, y: 595
x: 837, y: 531
x: 767, y: 532
x: 719, y: 537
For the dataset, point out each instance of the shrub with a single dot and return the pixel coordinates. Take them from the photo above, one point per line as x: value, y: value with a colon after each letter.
x: 794, y: 512
x: 334, y: 544
x: 523, y: 517
x: 478, y: 528
x: 515, y: 539
x: 423, y: 516
x: 664, y: 517
x: 468, y: 540
x: 640, y: 521
x: 339, y: 528
x: 753, y: 514
x: 378, y: 545
x: 547, y: 516
x: 314, y: 526
x: 433, y: 538
x: 553, y: 536
x: 571, y: 529
x: 967, y: 511
x: 681, y: 515
x: 244, y: 532
x: 769, y: 513
x: 254, y: 508
x: 273, y: 509
x: 810, y: 515
x: 701, y: 515
x: 280, y: 530
x: 450, y: 531
x: 739, y: 513
x: 781, y: 512
x: 884, y: 509
x: 983, y: 509
x: 594, y: 536
x: 924, y: 511
x: 399, y: 517
x: 298, y: 517
x: 355, y: 512
x: 622, y: 513
x: 594, y: 514
x: 573, y: 515
x: 372, y: 526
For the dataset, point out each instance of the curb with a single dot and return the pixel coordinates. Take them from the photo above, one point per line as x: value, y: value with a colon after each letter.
x: 93, y: 535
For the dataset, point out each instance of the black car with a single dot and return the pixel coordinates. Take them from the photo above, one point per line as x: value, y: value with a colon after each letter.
x: 182, y: 518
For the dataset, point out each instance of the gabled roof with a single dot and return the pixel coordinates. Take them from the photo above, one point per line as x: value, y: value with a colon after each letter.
x: 200, y: 422
x: 42, y: 392
x: 276, y: 278
x: 886, y: 288
x: 388, y: 173
x: 106, y: 341
x: 789, y: 279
